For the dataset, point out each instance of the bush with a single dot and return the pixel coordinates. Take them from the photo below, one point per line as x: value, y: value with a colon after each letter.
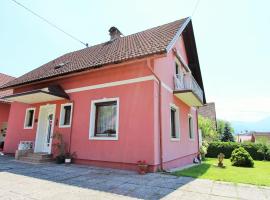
x: 267, y: 156
x: 227, y: 148
x: 203, y: 151
x: 241, y: 158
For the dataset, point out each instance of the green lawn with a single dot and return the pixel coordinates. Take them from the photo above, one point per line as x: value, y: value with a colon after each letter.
x: 259, y: 175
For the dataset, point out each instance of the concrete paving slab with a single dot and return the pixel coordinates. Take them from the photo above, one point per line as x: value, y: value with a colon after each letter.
x: 52, y: 181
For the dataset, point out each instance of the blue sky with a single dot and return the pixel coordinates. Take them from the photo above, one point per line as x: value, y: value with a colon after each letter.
x: 232, y: 40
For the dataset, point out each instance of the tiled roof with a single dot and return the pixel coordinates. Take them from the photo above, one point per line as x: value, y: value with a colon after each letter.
x: 3, y: 80
x: 260, y: 133
x: 145, y: 43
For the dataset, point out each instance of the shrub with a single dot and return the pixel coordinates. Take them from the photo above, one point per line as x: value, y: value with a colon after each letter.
x: 227, y: 148
x: 241, y: 158
x: 267, y: 156
x: 203, y: 151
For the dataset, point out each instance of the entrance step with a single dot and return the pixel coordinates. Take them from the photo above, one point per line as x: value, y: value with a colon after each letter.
x: 36, y: 157
x: 39, y: 155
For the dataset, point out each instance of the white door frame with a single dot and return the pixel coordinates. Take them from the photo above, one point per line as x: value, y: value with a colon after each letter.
x: 38, y: 126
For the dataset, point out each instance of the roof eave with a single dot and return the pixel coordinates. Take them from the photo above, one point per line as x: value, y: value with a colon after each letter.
x: 177, y: 35
x: 74, y: 73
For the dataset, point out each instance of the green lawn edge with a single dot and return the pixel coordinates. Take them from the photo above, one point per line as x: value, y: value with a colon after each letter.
x: 258, y: 175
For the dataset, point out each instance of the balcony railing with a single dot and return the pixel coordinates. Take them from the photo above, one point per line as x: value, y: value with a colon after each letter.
x: 187, y: 82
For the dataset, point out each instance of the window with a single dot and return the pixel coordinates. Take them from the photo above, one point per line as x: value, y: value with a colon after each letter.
x: 175, y: 121
x: 104, y: 119
x: 66, y: 115
x: 29, y: 118
x: 190, y: 126
x: 176, y: 68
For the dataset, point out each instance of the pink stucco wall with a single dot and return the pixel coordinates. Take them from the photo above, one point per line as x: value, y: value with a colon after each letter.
x: 135, y: 119
x: 182, y: 152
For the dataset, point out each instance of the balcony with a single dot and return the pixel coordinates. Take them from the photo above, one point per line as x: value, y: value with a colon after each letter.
x: 187, y: 89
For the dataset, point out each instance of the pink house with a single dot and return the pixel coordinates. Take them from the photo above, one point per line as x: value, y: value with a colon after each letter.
x: 131, y: 98
x: 4, y: 108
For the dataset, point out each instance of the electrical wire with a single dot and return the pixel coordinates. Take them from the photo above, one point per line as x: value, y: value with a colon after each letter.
x: 50, y: 23
x: 195, y: 8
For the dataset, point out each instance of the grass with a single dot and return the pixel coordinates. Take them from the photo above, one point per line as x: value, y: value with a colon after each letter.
x: 259, y: 175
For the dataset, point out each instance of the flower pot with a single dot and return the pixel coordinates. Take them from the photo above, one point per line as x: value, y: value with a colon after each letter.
x: 60, y: 159
x: 142, y: 169
x: 68, y: 160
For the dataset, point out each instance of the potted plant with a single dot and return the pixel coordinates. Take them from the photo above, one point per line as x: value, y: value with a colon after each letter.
x: 69, y: 157
x: 142, y: 167
x: 60, y: 159
x: 59, y: 146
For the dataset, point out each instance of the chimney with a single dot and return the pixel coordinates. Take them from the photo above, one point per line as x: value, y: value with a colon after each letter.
x: 114, y: 33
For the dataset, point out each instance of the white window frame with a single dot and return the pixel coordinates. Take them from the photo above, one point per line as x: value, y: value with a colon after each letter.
x: 93, y: 116
x: 26, y: 116
x: 177, y: 123
x: 61, y: 125
x: 192, y: 127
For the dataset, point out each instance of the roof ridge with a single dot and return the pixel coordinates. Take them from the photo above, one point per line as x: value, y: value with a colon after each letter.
x: 183, y: 19
x: 2, y: 74
x: 144, y: 43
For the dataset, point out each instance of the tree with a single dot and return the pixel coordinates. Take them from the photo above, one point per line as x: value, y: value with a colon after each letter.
x: 208, y: 129
x: 221, y: 127
x: 227, y: 135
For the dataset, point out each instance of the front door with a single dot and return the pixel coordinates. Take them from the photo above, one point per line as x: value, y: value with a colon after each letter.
x: 45, y: 128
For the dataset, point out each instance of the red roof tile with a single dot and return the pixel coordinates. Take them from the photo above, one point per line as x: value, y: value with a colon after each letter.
x: 145, y: 43
x: 3, y: 80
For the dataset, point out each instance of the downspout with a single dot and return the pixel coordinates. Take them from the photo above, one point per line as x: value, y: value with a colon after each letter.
x: 198, y: 134
x: 71, y: 126
x: 159, y: 115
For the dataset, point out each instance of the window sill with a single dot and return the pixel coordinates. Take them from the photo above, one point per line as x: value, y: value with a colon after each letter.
x: 175, y: 139
x: 28, y: 127
x: 103, y: 138
x: 64, y: 126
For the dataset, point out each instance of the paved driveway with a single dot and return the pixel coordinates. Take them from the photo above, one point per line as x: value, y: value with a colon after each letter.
x: 50, y: 181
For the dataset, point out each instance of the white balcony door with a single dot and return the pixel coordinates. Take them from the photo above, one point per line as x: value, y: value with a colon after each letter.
x: 45, y: 128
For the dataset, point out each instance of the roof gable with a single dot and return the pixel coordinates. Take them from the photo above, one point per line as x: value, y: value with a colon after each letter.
x: 4, y: 79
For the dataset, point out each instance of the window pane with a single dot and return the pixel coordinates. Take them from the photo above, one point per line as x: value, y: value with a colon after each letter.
x: 67, y: 114
x: 106, y: 114
x: 190, y: 126
x: 173, y: 128
x: 176, y: 68
x: 30, y: 118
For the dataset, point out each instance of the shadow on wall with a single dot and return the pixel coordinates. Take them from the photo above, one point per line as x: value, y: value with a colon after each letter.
x: 127, y: 183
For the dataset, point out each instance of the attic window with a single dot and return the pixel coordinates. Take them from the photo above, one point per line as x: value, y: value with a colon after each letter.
x: 60, y: 65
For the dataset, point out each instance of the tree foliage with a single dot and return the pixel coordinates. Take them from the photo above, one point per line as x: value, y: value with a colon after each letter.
x: 227, y: 135
x: 221, y: 127
x: 264, y: 148
x: 208, y: 129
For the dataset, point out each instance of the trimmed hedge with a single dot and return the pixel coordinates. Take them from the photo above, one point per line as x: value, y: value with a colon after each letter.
x: 227, y: 148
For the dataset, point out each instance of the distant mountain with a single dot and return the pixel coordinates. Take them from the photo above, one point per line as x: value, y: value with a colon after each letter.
x: 263, y: 125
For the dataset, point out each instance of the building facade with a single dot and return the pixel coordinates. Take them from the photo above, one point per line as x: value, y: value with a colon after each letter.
x: 129, y: 99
